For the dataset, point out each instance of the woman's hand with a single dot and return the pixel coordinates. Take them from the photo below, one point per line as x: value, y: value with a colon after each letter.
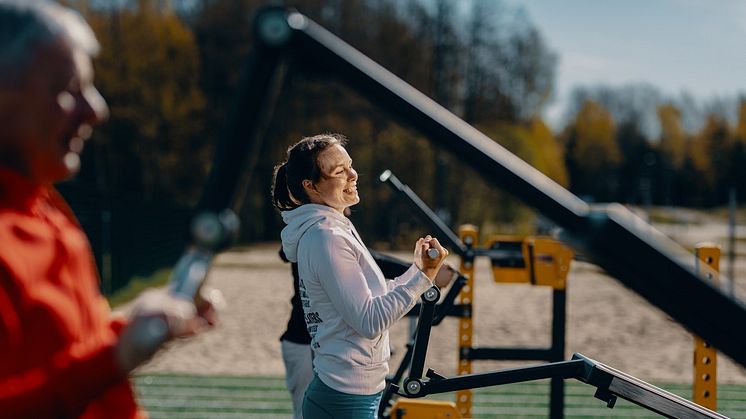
x: 429, y: 265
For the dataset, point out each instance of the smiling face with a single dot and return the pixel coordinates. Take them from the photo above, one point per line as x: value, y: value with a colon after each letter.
x: 46, y: 119
x: 337, y: 187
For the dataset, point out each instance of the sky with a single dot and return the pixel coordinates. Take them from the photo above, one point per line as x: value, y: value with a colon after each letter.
x: 695, y: 46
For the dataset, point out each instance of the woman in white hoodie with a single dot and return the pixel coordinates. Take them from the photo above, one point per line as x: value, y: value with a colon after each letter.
x: 348, y: 304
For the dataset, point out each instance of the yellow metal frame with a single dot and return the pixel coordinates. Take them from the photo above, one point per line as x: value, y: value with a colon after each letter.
x: 546, y: 262
x: 705, y: 388
x: 470, y: 236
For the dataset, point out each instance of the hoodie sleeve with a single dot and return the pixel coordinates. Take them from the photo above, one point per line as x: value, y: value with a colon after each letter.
x: 403, y: 279
x: 392, y: 267
x: 334, y: 261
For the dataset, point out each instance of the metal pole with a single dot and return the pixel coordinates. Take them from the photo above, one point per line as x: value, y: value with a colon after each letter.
x: 732, y: 203
x: 557, y: 386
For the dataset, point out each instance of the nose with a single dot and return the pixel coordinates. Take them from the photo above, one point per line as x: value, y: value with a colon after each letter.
x: 93, y: 106
x: 352, y: 174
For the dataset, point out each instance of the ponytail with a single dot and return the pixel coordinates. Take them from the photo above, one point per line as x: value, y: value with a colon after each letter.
x: 281, y: 198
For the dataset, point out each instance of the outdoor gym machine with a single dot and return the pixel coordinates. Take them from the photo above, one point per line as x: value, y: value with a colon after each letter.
x: 539, y: 261
x: 610, y: 383
x: 536, y: 261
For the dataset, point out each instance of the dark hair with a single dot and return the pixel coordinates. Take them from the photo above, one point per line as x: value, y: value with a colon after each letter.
x: 301, y: 163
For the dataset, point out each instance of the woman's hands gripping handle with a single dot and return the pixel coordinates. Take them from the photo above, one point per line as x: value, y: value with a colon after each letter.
x: 429, y: 256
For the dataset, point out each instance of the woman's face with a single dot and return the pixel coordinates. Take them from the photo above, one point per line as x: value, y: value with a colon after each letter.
x: 337, y: 187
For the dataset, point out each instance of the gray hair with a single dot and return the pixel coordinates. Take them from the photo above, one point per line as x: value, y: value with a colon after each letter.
x: 27, y: 25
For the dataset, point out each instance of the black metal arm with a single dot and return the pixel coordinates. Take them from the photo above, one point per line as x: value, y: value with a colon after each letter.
x: 609, y: 383
x: 444, y: 232
x: 422, y: 336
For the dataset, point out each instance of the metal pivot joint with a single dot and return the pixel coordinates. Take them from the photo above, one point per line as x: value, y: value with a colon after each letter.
x: 413, y: 387
x: 432, y: 295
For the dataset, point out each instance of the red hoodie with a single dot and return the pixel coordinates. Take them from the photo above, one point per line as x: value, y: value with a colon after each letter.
x: 56, y: 331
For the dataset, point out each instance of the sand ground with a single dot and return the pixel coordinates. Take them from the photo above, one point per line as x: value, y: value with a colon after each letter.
x: 605, y: 321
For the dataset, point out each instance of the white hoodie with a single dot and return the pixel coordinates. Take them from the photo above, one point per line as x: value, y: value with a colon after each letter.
x: 348, y: 304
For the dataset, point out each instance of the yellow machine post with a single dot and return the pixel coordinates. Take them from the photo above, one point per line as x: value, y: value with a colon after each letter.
x: 469, y: 236
x: 705, y: 356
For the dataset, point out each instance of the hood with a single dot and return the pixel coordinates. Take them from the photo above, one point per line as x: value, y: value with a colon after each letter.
x: 299, y: 221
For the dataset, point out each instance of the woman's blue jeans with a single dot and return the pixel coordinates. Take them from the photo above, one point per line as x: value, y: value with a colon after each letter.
x: 323, y: 402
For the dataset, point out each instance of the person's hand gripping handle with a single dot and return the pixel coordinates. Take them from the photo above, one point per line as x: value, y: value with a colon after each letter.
x: 429, y: 256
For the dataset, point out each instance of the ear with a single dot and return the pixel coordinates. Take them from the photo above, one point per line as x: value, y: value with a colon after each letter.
x: 308, y: 187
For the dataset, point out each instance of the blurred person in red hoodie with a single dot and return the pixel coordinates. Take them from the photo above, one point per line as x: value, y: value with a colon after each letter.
x: 62, y: 354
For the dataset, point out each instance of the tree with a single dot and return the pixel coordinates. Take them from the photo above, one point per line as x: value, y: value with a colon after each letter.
x: 738, y: 173
x: 673, y: 138
x: 593, y: 156
x: 148, y: 69
x: 529, y: 77
x: 222, y: 32
x: 509, y: 73
x: 640, y: 165
x: 720, y: 144
x: 700, y: 169
x: 634, y: 103
x: 672, y: 146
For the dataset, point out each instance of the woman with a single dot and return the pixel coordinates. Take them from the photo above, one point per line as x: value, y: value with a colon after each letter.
x: 347, y: 303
